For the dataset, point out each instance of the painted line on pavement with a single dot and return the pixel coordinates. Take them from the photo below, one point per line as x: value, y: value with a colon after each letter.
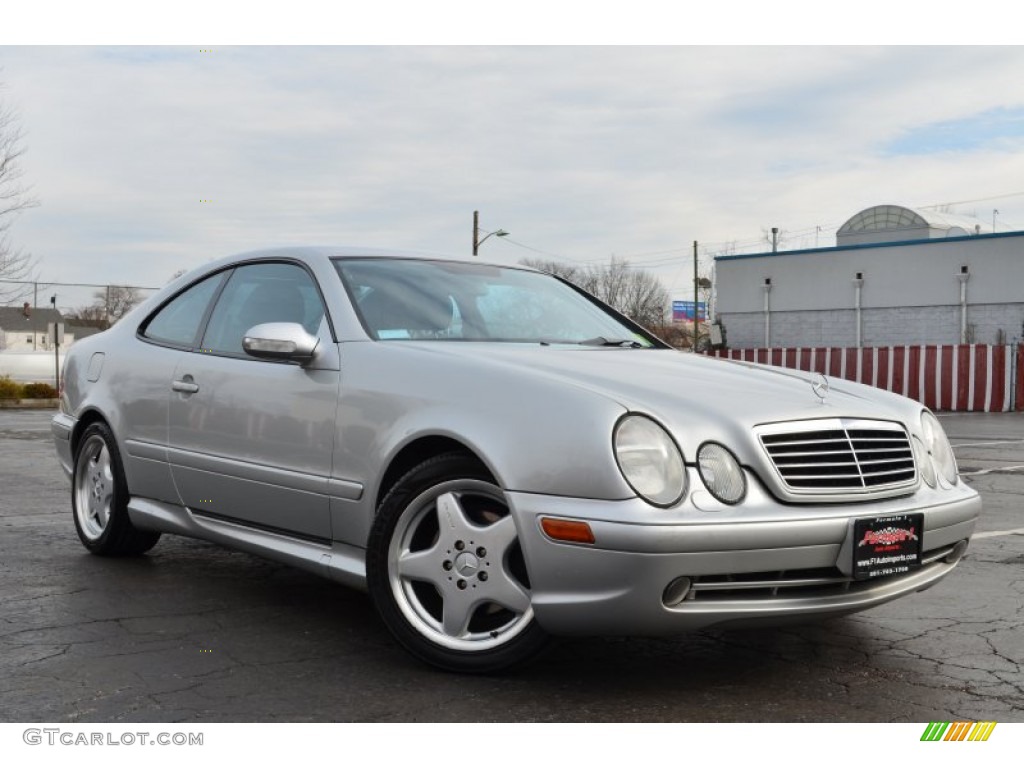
x: 990, y: 470
x: 986, y: 442
x: 993, y: 534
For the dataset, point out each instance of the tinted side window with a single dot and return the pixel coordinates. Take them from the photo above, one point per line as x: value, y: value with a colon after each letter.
x: 262, y: 293
x: 178, y: 321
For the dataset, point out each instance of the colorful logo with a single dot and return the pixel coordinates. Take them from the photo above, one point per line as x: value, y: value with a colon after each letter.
x: 959, y: 731
x: 888, y: 535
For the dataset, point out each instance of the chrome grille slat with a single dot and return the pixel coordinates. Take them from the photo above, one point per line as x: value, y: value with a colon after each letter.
x: 859, y: 456
x: 844, y: 444
x: 822, y: 464
x: 726, y: 586
x: 822, y: 477
x: 876, y: 451
x: 811, y: 582
x: 812, y: 453
x: 936, y: 554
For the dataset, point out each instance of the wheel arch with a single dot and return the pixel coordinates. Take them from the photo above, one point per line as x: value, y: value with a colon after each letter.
x: 416, y: 452
x: 88, y: 417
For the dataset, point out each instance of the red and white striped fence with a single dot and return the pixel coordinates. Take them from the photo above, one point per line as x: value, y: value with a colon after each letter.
x: 951, y: 377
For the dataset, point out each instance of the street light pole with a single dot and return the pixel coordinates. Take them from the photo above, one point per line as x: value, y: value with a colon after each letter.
x: 56, y: 343
x: 477, y: 240
x: 696, y: 299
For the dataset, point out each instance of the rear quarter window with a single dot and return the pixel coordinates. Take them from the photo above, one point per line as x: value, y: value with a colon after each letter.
x: 178, y: 321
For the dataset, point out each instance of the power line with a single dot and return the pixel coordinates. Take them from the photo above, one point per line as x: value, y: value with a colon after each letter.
x: 48, y: 284
x: 734, y: 246
x: 507, y: 239
x: 976, y: 200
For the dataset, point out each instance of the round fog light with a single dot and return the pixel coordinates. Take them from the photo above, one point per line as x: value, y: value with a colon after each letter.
x: 676, y: 591
x: 958, y: 551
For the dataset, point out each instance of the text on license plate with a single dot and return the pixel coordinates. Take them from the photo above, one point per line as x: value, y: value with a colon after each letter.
x: 887, y: 546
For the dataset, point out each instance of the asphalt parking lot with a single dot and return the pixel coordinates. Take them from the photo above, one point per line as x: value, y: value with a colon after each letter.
x: 194, y: 632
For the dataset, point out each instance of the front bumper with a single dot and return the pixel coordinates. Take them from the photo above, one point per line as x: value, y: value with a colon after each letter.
x: 759, y: 562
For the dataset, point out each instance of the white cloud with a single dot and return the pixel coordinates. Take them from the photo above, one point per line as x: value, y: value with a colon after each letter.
x: 580, y: 151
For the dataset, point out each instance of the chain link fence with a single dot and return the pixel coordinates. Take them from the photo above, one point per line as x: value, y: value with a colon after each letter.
x: 33, y: 311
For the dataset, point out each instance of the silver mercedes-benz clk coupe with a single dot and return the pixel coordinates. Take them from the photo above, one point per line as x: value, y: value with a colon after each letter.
x: 496, y: 456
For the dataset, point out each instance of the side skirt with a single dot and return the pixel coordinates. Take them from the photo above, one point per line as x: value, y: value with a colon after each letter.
x: 340, y: 562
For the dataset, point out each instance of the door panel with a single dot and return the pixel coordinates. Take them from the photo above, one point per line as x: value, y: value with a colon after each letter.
x: 253, y: 443
x: 252, y: 440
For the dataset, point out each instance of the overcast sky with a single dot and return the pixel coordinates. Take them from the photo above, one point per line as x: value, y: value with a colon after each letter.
x: 147, y: 160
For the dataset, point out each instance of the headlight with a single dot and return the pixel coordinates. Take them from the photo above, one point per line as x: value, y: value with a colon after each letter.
x: 721, y: 473
x: 938, y: 446
x: 649, y: 460
x: 924, y: 461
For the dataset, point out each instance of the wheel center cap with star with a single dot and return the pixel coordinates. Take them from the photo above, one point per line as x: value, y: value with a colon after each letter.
x: 467, y: 564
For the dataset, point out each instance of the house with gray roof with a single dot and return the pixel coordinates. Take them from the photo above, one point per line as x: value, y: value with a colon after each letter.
x: 24, y: 328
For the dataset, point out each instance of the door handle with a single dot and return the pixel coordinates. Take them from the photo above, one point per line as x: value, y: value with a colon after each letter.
x: 188, y: 387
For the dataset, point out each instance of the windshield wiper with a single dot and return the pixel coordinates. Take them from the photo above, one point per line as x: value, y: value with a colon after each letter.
x: 601, y: 341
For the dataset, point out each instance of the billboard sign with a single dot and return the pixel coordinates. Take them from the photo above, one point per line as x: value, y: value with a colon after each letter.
x: 683, y: 311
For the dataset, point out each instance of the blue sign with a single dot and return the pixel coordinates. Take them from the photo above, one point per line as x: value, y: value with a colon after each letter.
x: 683, y: 310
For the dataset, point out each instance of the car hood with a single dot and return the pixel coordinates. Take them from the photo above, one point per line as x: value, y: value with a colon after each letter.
x: 692, y: 394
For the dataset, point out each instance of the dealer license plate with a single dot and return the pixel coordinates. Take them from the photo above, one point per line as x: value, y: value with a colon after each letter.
x: 887, y: 546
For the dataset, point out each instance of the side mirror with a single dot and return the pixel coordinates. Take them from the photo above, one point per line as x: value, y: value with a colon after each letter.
x: 280, y: 341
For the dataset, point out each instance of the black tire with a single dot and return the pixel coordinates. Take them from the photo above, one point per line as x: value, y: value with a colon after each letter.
x: 456, y: 596
x: 99, y: 497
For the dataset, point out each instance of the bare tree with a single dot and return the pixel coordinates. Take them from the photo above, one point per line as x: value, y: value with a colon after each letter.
x: 15, y: 264
x: 117, y: 301
x: 110, y: 305
x: 92, y: 316
x: 636, y: 293
x: 560, y: 269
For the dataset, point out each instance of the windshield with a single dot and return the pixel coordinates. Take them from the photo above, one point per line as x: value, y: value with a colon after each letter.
x: 453, y: 301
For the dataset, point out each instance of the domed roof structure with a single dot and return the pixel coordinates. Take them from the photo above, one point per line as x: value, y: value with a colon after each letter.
x: 895, y: 223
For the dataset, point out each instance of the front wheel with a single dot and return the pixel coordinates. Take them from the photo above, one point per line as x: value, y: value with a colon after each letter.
x: 446, y: 571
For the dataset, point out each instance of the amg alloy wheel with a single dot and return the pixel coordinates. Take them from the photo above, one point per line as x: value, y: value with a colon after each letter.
x: 99, y: 497
x: 446, y: 571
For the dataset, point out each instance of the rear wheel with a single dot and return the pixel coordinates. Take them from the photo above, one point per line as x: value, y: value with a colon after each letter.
x: 446, y: 571
x: 99, y: 497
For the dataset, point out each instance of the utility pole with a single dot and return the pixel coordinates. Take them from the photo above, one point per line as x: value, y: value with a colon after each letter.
x: 696, y: 297
x: 477, y: 240
x: 56, y: 344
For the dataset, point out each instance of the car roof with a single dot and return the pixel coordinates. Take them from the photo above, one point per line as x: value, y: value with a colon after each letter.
x: 317, y: 252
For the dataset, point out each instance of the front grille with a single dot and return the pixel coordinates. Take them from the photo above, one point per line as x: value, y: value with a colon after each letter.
x: 807, y: 582
x: 840, y: 455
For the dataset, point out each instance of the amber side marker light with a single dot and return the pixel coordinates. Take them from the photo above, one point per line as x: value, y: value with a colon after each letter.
x: 567, y: 530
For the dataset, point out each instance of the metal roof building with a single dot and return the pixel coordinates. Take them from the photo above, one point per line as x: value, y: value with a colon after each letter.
x: 896, y: 275
x: 896, y: 223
